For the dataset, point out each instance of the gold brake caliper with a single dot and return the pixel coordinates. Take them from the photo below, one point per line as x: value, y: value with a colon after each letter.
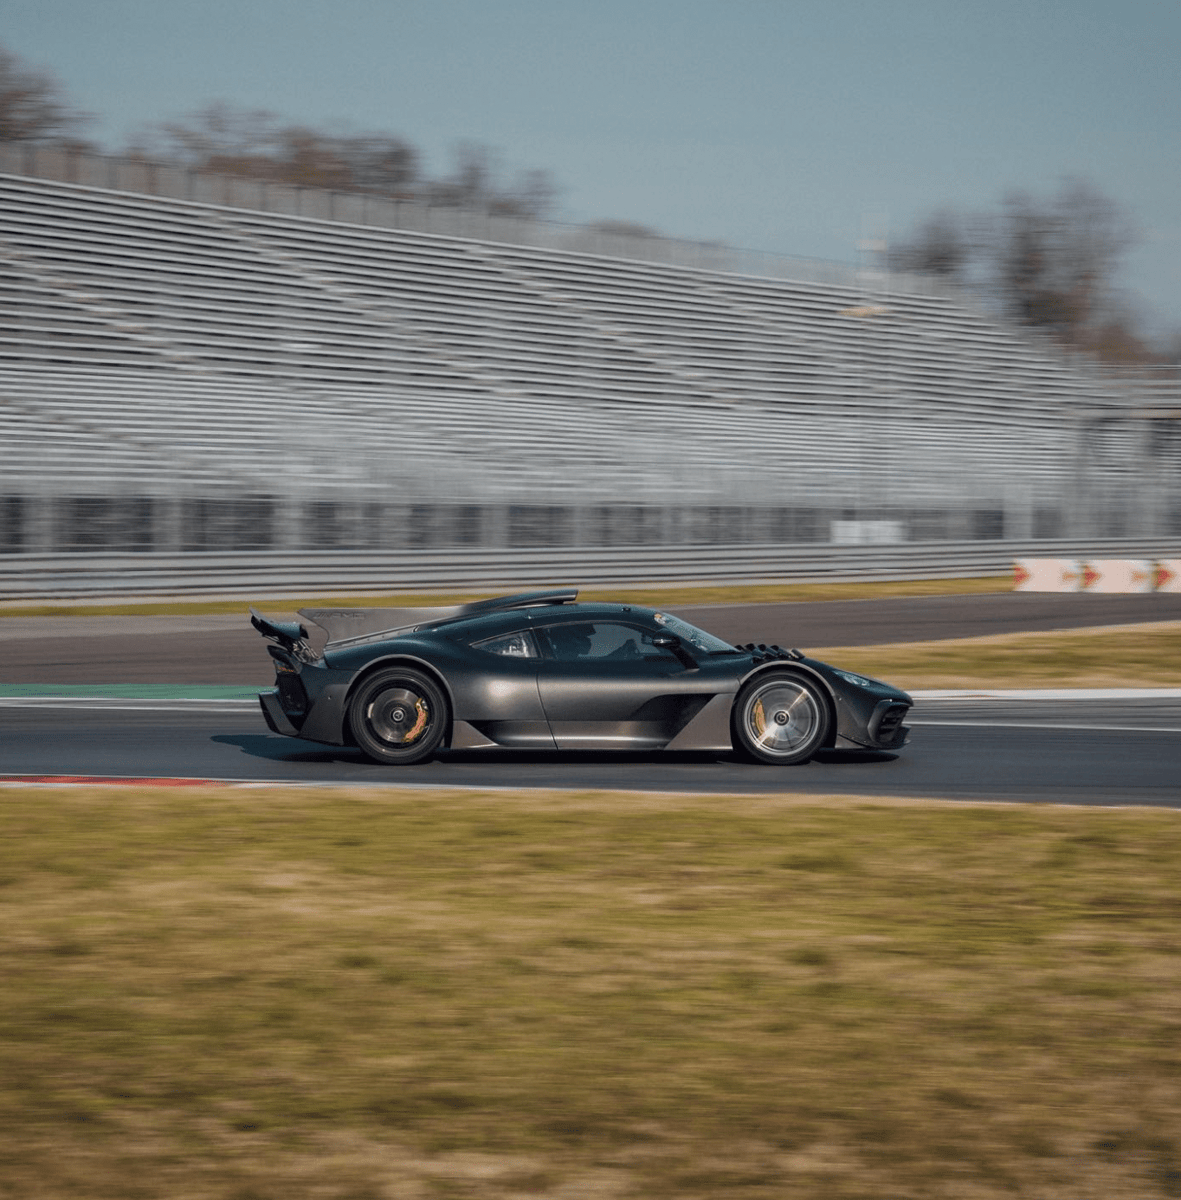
x: 420, y: 722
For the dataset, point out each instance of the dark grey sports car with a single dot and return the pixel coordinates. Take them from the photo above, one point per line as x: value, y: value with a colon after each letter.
x: 539, y: 671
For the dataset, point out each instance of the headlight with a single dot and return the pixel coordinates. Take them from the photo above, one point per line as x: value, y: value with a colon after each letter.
x: 856, y: 680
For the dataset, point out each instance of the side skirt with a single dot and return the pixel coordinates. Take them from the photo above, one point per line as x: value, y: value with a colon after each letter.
x: 710, y: 729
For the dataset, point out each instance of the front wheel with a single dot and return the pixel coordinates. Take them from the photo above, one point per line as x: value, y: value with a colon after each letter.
x: 399, y: 716
x: 781, y: 719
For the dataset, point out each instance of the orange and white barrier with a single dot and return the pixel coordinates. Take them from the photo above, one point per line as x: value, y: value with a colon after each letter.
x: 1047, y: 575
x: 1168, y: 575
x: 1124, y: 576
x: 1118, y: 576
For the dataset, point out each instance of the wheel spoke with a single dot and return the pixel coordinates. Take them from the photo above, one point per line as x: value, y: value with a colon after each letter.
x: 783, y: 717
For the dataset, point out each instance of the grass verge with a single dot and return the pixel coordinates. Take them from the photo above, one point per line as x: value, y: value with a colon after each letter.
x: 364, y: 994
x: 1128, y: 656
x: 656, y: 597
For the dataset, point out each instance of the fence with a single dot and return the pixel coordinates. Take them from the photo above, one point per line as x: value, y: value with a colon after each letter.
x: 273, y: 575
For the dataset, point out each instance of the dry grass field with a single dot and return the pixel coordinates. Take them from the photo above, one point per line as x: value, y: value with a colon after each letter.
x: 258, y: 994
x: 1138, y: 656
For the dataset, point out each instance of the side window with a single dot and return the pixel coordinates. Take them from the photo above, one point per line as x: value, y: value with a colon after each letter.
x: 511, y: 645
x: 601, y: 641
x: 569, y: 641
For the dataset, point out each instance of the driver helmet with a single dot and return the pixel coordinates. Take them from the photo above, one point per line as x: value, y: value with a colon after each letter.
x: 571, y: 641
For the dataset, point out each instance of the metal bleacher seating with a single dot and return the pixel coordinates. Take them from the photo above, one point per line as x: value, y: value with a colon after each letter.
x: 156, y: 346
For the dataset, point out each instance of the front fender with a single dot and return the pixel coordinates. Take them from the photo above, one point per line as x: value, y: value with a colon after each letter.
x: 805, y: 667
x: 860, y: 709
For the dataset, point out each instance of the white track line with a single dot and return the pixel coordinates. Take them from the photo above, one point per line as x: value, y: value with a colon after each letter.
x: 1048, y: 725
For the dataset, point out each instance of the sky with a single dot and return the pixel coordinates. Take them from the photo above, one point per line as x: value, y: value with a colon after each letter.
x: 791, y: 126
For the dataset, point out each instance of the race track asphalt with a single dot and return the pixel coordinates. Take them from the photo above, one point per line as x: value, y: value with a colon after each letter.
x: 226, y: 650
x: 1101, y: 751
x: 1005, y: 754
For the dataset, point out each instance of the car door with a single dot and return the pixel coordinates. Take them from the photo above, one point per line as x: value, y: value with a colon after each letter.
x: 605, y: 685
x: 499, y: 698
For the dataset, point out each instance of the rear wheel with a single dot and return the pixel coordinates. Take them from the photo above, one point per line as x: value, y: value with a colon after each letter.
x: 781, y: 719
x: 399, y: 716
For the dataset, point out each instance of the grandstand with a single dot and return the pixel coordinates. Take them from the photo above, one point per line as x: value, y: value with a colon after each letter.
x: 177, y: 374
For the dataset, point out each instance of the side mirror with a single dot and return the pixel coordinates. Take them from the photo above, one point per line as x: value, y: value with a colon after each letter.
x: 672, y: 643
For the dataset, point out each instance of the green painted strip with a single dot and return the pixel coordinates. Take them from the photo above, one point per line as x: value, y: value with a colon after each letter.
x: 133, y: 691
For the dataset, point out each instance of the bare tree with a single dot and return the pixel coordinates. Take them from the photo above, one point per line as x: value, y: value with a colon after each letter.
x: 475, y: 184
x: 941, y: 245
x: 32, y: 106
x: 610, y: 225
x: 260, y: 145
x: 218, y: 137
x: 1049, y: 263
x: 1115, y: 341
x: 471, y: 181
x: 1054, y: 261
x: 531, y: 194
x: 310, y: 159
x: 380, y: 163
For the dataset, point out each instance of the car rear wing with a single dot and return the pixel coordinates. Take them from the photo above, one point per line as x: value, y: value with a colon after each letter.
x: 291, y: 635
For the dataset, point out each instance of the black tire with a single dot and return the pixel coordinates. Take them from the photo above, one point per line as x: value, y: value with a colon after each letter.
x: 399, y: 716
x: 780, y: 718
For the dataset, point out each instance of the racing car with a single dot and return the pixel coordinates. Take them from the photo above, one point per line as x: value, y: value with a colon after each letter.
x: 541, y: 671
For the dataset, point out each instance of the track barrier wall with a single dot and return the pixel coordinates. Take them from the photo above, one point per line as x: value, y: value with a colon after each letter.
x: 33, y: 578
x: 1106, y: 576
x: 1168, y: 575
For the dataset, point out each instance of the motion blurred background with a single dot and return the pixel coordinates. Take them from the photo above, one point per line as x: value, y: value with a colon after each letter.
x: 394, y: 279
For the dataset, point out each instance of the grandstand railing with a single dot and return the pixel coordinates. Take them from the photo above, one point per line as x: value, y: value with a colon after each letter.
x: 145, y: 177
x: 149, y: 178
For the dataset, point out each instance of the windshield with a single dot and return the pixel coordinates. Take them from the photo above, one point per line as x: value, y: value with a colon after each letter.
x: 690, y: 634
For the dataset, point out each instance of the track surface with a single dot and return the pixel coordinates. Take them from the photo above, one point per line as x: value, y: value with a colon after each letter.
x: 224, y: 649
x: 1085, y: 752
x: 1043, y: 752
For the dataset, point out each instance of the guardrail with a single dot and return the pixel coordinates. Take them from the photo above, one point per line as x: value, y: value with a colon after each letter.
x: 276, y: 574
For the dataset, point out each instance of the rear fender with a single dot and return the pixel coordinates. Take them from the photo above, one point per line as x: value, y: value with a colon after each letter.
x: 382, y: 664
